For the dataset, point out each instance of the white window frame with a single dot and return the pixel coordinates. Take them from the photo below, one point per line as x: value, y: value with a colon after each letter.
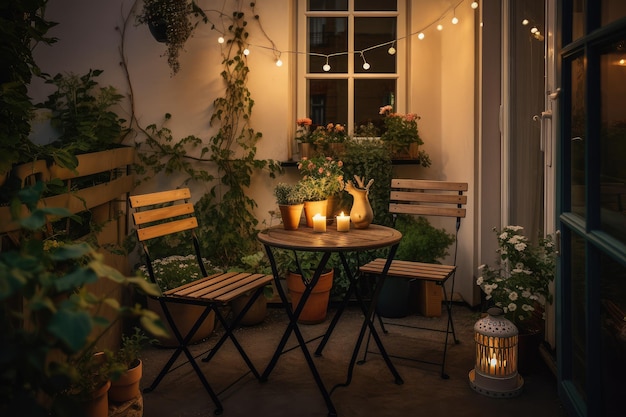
x: 401, y: 46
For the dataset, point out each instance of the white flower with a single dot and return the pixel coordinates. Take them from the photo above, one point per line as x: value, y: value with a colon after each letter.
x: 527, y: 307
x: 515, y: 228
x: 526, y: 294
x: 479, y: 281
x: 520, y: 246
x: 480, y: 268
x: 488, y: 289
x: 512, y: 307
x: 513, y: 296
x: 504, y: 235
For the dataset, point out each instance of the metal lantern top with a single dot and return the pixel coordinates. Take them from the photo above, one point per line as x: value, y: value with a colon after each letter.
x: 495, y: 324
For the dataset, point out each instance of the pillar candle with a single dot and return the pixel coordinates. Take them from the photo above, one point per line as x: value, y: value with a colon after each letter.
x: 343, y: 223
x: 319, y: 223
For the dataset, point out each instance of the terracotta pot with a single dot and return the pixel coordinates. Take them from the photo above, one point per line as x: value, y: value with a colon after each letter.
x: 291, y: 214
x: 311, y: 208
x: 314, y: 310
x: 127, y: 386
x: 307, y: 150
x: 98, y: 404
x: 184, y: 315
x: 255, y: 314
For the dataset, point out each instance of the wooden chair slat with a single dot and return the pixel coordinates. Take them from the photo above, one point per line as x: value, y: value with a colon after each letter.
x: 163, y: 213
x: 163, y: 229
x: 412, y: 196
x: 428, y: 185
x: 143, y: 200
x: 426, y: 210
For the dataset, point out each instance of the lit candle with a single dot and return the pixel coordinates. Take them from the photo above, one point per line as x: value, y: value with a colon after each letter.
x: 319, y: 223
x: 343, y: 223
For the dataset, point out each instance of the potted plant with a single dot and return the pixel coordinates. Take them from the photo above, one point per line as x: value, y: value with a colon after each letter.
x: 291, y: 265
x: 171, y: 272
x: 518, y: 283
x: 322, y: 177
x: 257, y: 263
x: 290, y: 202
x: 125, y: 384
x: 400, y: 133
x: 48, y: 354
x: 171, y: 22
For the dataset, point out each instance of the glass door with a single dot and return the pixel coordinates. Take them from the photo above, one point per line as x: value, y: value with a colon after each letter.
x: 591, y: 284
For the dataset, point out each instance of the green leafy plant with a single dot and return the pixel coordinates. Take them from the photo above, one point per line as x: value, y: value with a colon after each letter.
x: 82, y: 112
x: 519, y: 280
x: 287, y: 194
x: 176, y: 270
x: 321, y: 177
x: 51, y: 321
x: 400, y: 131
x: 128, y: 353
x: 421, y: 241
x: 171, y: 22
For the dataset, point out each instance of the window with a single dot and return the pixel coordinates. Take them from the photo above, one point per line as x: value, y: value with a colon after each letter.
x: 346, y: 66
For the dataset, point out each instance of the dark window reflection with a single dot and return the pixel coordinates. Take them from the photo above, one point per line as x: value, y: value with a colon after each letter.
x: 321, y: 5
x: 369, y: 97
x: 328, y: 35
x: 577, y: 137
x: 372, y: 31
x: 328, y: 101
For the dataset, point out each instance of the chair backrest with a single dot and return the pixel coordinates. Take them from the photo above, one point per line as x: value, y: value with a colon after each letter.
x: 164, y: 213
x: 429, y: 198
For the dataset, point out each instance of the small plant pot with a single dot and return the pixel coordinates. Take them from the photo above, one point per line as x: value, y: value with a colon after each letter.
x: 316, y: 305
x: 291, y: 215
x: 311, y: 208
x: 255, y: 314
x: 127, y: 386
x: 98, y: 403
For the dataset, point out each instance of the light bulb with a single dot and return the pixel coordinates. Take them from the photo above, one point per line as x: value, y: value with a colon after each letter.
x: 391, y: 51
x: 366, y: 66
x: 455, y: 20
x: 246, y: 52
x: 439, y: 26
x: 525, y: 22
x: 533, y: 29
x: 622, y: 61
x: 420, y: 36
x: 220, y: 39
x: 474, y: 5
x: 279, y: 63
x: 326, y: 67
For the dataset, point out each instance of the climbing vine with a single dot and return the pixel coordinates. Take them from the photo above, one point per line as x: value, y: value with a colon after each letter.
x: 225, y: 212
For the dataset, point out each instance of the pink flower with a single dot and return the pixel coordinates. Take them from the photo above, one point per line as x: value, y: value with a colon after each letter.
x: 304, y: 121
x: 385, y: 109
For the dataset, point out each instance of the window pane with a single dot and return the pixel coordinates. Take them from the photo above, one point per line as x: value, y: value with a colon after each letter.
x: 578, y: 315
x: 577, y: 136
x: 321, y: 5
x: 578, y: 19
x: 613, y: 331
x: 370, y: 5
x: 327, y: 35
x: 612, y: 10
x: 372, y: 31
x: 613, y: 141
x: 369, y: 97
x: 328, y: 101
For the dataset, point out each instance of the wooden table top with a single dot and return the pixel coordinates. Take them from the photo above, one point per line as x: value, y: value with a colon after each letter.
x: 306, y: 239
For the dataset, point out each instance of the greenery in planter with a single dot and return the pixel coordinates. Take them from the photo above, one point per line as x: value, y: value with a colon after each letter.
x: 321, y: 177
x: 22, y: 26
x: 128, y: 354
x: 421, y: 241
x: 176, y: 19
x: 287, y: 194
x: 176, y: 270
x: 50, y: 321
x: 82, y: 112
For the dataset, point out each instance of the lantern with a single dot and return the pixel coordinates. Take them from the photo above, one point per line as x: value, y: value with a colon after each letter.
x: 495, y: 371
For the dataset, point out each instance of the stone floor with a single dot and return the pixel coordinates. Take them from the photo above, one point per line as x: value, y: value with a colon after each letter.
x: 291, y: 390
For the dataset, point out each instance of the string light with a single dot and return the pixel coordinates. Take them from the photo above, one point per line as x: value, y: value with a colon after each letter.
x: 366, y: 65
x: 391, y: 50
x: 326, y: 66
x: 525, y: 22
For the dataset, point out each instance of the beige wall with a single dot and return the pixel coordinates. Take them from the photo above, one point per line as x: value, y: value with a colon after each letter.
x: 441, y: 86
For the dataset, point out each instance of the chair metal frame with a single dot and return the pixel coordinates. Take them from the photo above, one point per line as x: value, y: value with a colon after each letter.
x: 170, y: 212
x: 425, y: 198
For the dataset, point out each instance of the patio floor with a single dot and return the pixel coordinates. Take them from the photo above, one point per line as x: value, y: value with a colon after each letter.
x: 291, y: 390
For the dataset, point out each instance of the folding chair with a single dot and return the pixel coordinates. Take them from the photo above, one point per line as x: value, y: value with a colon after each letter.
x: 425, y: 198
x: 170, y: 212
